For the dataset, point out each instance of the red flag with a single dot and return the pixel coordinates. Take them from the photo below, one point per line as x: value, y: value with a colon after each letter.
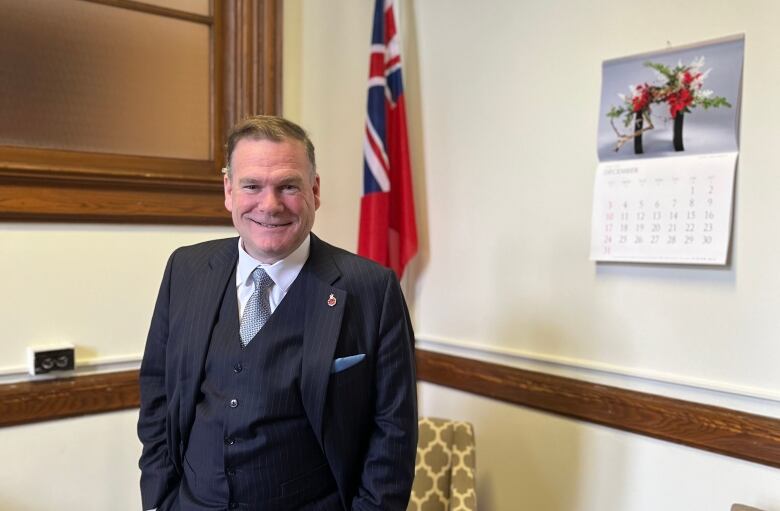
x: 388, y: 230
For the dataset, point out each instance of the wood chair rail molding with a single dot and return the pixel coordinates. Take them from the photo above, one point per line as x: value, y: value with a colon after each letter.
x: 40, y: 184
x: 28, y: 402
x: 729, y: 432
x: 721, y: 430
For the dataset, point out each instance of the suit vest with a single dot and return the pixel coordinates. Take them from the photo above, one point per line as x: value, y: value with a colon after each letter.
x: 251, y: 445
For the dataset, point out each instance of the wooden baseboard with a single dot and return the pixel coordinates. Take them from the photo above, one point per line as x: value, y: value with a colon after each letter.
x: 721, y: 430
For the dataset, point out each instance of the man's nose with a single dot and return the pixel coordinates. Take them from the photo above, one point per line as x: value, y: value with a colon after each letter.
x: 269, y: 202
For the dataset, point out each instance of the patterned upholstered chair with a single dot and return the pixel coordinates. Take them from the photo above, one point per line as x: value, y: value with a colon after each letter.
x: 445, y: 472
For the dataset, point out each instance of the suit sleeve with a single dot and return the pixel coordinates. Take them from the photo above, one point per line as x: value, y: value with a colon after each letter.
x: 159, y: 479
x: 388, y: 468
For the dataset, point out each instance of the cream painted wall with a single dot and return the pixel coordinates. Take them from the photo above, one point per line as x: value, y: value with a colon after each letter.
x: 506, y: 147
x: 502, y: 98
x: 503, y: 103
x: 87, y: 463
x: 91, y: 285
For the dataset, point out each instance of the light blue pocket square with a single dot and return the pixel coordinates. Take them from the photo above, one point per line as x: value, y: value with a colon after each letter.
x: 345, y: 363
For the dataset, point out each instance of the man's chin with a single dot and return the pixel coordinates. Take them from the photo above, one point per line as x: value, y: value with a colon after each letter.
x: 269, y: 253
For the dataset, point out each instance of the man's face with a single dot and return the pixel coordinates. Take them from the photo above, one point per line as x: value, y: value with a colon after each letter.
x: 271, y: 196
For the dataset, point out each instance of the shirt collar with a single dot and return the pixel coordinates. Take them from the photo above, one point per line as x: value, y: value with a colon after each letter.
x: 282, y: 272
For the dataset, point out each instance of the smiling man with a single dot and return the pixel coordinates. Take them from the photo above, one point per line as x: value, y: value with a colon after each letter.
x: 278, y: 372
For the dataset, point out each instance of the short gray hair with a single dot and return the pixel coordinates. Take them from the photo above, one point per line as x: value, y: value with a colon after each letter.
x: 267, y: 127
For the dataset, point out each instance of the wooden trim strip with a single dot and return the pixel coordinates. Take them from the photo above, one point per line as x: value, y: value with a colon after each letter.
x: 22, y: 403
x: 729, y: 432
x: 132, y: 5
x: 721, y: 430
x: 45, y: 164
x: 252, y: 58
x: 80, y: 201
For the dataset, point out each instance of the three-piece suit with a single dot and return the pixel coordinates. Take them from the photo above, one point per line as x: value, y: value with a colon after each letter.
x: 317, y: 412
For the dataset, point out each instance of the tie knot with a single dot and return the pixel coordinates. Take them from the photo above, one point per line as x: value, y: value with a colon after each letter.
x: 261, y: 278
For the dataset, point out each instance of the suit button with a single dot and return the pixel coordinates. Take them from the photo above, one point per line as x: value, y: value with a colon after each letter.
x: 233, y: 403
x: 231, y: 472
x: 233, y: 505
x: 229, y: 440
x: 237, y: 368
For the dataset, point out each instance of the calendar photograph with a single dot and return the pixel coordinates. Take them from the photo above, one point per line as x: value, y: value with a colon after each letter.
x: 673, y: 102
x: 668, y: 146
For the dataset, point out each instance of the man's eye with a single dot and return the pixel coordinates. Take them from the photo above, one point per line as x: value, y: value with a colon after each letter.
x: 289, y: 188
x: 250, y: 187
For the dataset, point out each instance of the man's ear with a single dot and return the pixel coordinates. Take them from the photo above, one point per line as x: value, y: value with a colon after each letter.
x: 316, y: 190
x: 228, y: 185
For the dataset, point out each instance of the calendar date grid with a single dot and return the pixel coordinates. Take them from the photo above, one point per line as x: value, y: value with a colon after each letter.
x: 643, y: 213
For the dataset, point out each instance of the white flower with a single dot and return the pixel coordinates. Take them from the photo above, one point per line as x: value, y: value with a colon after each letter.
x: 697, y: 63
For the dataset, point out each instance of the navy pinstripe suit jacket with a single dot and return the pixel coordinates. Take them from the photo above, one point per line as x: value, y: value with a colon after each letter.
x: 365, y: 417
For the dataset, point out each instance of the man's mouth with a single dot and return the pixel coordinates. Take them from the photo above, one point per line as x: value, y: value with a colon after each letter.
x: 272, y: 225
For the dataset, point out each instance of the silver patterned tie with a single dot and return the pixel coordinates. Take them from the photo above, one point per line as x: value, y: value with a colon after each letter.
x: 257, y: 309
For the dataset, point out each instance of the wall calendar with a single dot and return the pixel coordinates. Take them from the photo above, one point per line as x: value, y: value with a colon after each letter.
x: 664, y: 186
x: 665, y: 211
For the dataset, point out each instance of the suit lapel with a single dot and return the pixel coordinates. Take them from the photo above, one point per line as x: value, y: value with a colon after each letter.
x: 324, y: 311
x: 208, y: 288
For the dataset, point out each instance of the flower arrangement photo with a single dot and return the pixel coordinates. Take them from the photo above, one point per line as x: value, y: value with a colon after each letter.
x: 680, y: 89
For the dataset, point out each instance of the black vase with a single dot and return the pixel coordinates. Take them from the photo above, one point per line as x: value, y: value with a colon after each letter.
x: 638, y: 123
x: 678, y: 128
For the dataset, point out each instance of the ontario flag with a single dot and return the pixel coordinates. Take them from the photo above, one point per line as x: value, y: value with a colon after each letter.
x: 388, y: 231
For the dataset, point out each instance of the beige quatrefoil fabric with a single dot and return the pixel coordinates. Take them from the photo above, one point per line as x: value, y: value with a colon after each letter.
x: 445, y: 469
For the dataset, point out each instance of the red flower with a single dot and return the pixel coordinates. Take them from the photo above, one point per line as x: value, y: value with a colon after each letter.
x: 641, y: 98
x: 688, y: 78
x: 679, y: 101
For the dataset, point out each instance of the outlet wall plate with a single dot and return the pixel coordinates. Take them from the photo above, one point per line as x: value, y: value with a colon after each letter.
x: 51, y: 358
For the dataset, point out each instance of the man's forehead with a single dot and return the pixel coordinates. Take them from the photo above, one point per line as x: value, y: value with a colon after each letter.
x: 269, y: 151
x: 275, y: 176
x: 263, y: 155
